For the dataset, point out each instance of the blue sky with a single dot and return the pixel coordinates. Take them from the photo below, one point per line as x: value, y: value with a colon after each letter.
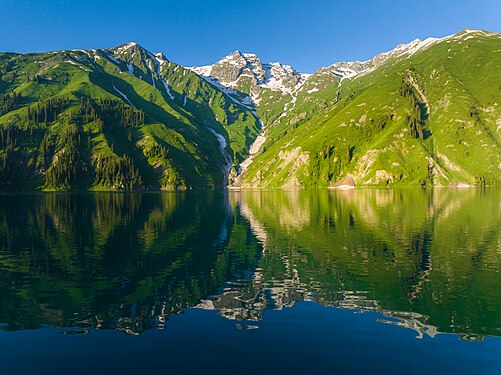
x: 306, y: 34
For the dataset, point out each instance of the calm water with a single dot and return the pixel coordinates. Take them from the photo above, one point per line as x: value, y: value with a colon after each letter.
x: 402, y: 281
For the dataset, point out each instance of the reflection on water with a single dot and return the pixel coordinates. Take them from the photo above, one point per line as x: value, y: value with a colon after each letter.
x: 428, y: 261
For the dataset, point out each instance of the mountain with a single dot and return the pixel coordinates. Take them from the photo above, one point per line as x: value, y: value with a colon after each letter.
x: 424, y: 113
x: 352, y: 69
x: 122, y: 118
x: 247, y: 74
x: 266, y: 88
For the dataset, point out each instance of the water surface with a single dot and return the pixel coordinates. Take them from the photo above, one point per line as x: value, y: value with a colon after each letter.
x: 254, y: 281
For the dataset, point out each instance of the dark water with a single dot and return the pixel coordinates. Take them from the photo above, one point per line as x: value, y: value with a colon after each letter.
x: 402, y: 281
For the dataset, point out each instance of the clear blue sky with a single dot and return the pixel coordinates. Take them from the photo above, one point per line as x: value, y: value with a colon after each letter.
x: 306, y: 34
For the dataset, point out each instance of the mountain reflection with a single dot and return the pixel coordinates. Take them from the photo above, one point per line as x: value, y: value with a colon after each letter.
x: 427, y: 260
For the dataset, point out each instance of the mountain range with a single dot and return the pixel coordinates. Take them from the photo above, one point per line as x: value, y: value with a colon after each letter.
x: 426, y: 113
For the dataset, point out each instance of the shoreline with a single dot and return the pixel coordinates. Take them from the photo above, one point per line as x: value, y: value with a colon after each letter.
x: 239, y: 189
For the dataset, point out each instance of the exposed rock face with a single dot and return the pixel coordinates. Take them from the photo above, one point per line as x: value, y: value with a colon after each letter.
x: 348, y: 69
x: 348, y: 182
x: 246, y: 72
x: 352, y: 69
x: 381, y: 177
x: 230, y: 68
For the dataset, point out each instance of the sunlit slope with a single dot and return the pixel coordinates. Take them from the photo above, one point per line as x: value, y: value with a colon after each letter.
x: 430, y: 119
x: 114, y: 119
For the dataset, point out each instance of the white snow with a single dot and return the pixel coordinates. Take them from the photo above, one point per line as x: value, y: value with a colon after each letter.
x: 253, y: 150
x: 230, y: 92
x: 160, y: 58
x: 77, y: 65
x: 350, y: 70
x: 130, y: 69
x: 273, y: 75
x: 153, y: 79
x: 202, y: 70
x: 167, y: 88
x: 123, y: 95
x: 148, y: 64
x: 125, y: 47
x: 114, y: 59
x: 159, y: 73
x: 255, y: 146
x: 91, y: 57
x: 222, y: 148
x: 467, y: 34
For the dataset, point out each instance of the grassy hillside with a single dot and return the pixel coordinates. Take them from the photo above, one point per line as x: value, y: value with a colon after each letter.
x: 430, y: 119
x: 124, y: 118
x: 114, y: 119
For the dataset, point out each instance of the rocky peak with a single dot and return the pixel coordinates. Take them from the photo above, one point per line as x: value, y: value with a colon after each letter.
x: 247, y: 72
x: 127, y: 50
x: 352, y: 69
x: 229, y: 69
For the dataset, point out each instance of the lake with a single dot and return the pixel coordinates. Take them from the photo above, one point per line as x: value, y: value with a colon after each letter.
x: 365, y: 281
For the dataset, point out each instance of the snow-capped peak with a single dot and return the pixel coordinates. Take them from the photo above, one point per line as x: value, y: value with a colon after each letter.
x: 347, y: 70
x: 352, y: 69
x: 467, y: 33
x: 160, y: 57
x: 125, y: 47
x: 238, y: 70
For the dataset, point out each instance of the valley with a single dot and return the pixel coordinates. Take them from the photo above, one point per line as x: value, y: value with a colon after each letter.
x: 424, y: 114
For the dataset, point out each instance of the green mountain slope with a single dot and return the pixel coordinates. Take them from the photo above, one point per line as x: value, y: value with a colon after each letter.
x: 431, y: 118
x: 426, y: 113
x: 115, y: 119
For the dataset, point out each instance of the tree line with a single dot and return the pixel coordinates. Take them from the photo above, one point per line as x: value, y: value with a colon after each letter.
x: 117, y: 173
x: 107, y: 113
x: 68, y: 167
x: 47, y: 111
x: 415, y: 120
x: 9, y: 101
x: 62, y: 155
x: 328, y: 164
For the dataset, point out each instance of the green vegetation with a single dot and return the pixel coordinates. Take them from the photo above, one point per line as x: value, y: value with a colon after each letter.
x: 428, y: 119
x: 118, y: 119
x: 124, y: 118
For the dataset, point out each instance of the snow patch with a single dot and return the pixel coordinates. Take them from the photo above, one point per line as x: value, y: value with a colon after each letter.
x: 114, y: 59
x: 130, y: 69
x: 123, y: 95
x: 159, y: 73
x: 152, y: 74
x: 77, y: 65
x: 253, y: 150
x: 125, y: 47
x: 350, y: 70
x: 222, y: 148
